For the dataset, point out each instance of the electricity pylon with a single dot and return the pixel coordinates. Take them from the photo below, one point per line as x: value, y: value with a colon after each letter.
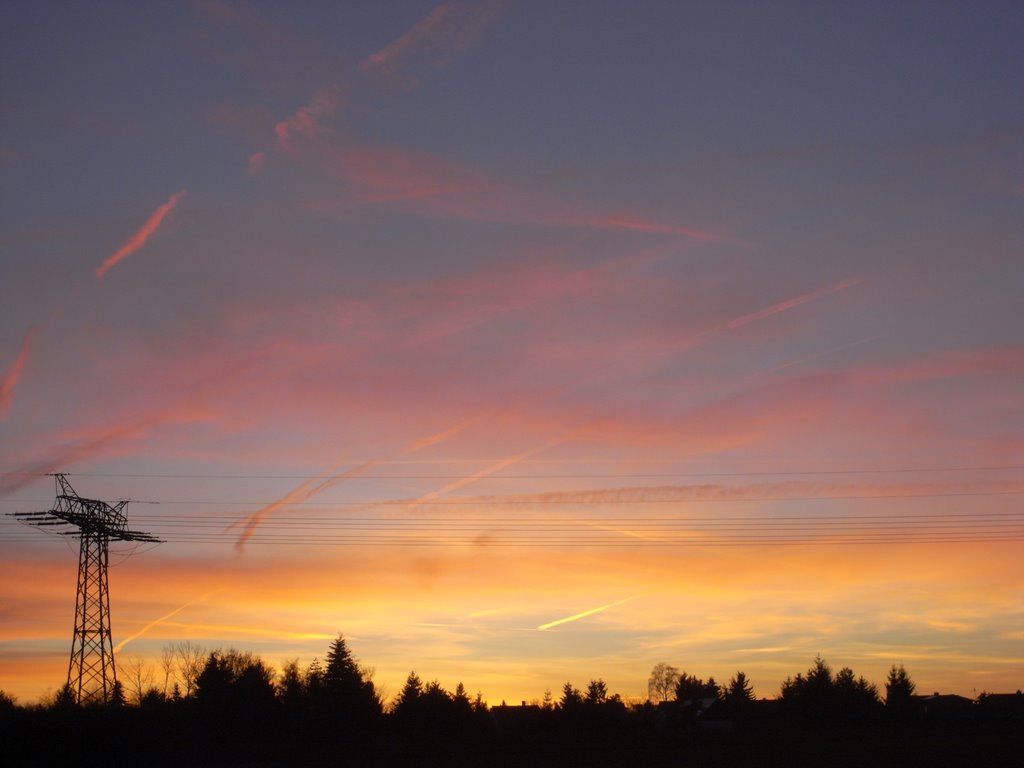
x: 91, y: 673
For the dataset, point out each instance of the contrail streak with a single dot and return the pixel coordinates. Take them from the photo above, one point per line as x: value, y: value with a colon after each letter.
x: 328, y: 480
x: 796, y: 301
x: 303, y: 492
x: 440, y: 437
x: 14, y: 375
x: 486, y: 472
x: 584, y: 614
x: 161, y: 620
x: 139, y: 239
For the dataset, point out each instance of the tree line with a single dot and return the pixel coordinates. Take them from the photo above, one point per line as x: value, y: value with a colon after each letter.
x: 818, y: 694
x: 218, y: 705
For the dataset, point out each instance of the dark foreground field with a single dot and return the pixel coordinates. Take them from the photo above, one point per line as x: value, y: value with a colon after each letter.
x: 134, y: 737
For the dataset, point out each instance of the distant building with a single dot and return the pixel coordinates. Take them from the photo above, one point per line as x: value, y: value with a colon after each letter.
x: 1001, y: 706
x: 943, y: 706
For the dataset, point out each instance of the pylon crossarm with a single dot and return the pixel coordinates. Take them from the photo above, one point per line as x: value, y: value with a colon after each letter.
x: 85, y: 523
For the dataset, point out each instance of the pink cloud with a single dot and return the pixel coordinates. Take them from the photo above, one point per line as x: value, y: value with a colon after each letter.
x: 14, y: 375
x: 641, y: 225
x: 307, y: 122
x: 450, y: 29
x: 948, y: 364
x: 140, y: 238
x: 256, y: 160
x: 79, y: 445
x: 796, y: 301
x: 426, y: 185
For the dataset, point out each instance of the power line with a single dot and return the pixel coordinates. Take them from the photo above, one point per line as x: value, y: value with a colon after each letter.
x: 499, y: 501
x: 576, y: 543
x: 559, y: 476
x: 588, y: 531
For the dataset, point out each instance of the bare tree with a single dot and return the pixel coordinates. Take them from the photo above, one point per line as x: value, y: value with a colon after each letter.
x: 167, y: 664
x: 191, y: 659
x: 661, y: 685
x: 137, y: 676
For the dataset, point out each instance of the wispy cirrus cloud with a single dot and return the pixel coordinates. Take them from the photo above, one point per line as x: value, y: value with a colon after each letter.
x: 450, y: 29
x: 14, y: 374
x: 142, y: 236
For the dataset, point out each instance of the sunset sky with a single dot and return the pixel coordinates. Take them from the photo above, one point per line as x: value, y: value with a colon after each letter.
x: 520, y: 342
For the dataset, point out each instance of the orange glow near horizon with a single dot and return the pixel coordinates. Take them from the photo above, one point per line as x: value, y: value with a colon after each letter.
x: 721, y: 612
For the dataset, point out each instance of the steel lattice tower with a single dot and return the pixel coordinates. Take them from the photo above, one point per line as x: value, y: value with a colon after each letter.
x: 91, y: 672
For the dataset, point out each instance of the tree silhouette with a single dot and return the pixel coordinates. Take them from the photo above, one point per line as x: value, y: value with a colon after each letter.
x: 463, y: 706
x: 691, y: 687
x: 739, y: 690
x: 117, y: 697
x: 8, y: 703
x: 436, y: 697
x: 597, y: 692
x: 291, y: 688
x: 138, y: 676
x: 856, y: 698
x: 899, y: 692
x: 242, y: 714
x: 349, y: 690
x: 810, y: 695
x: 661, y: 685
x: 571, y: 697
x: 236, y: 682
x: 167, y: 664
x: 409, y: 695
x: 315, y: 683
x: 190, y: 658
x: 821, y: 696
x: 341, y: 671
x: 65, y: 697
